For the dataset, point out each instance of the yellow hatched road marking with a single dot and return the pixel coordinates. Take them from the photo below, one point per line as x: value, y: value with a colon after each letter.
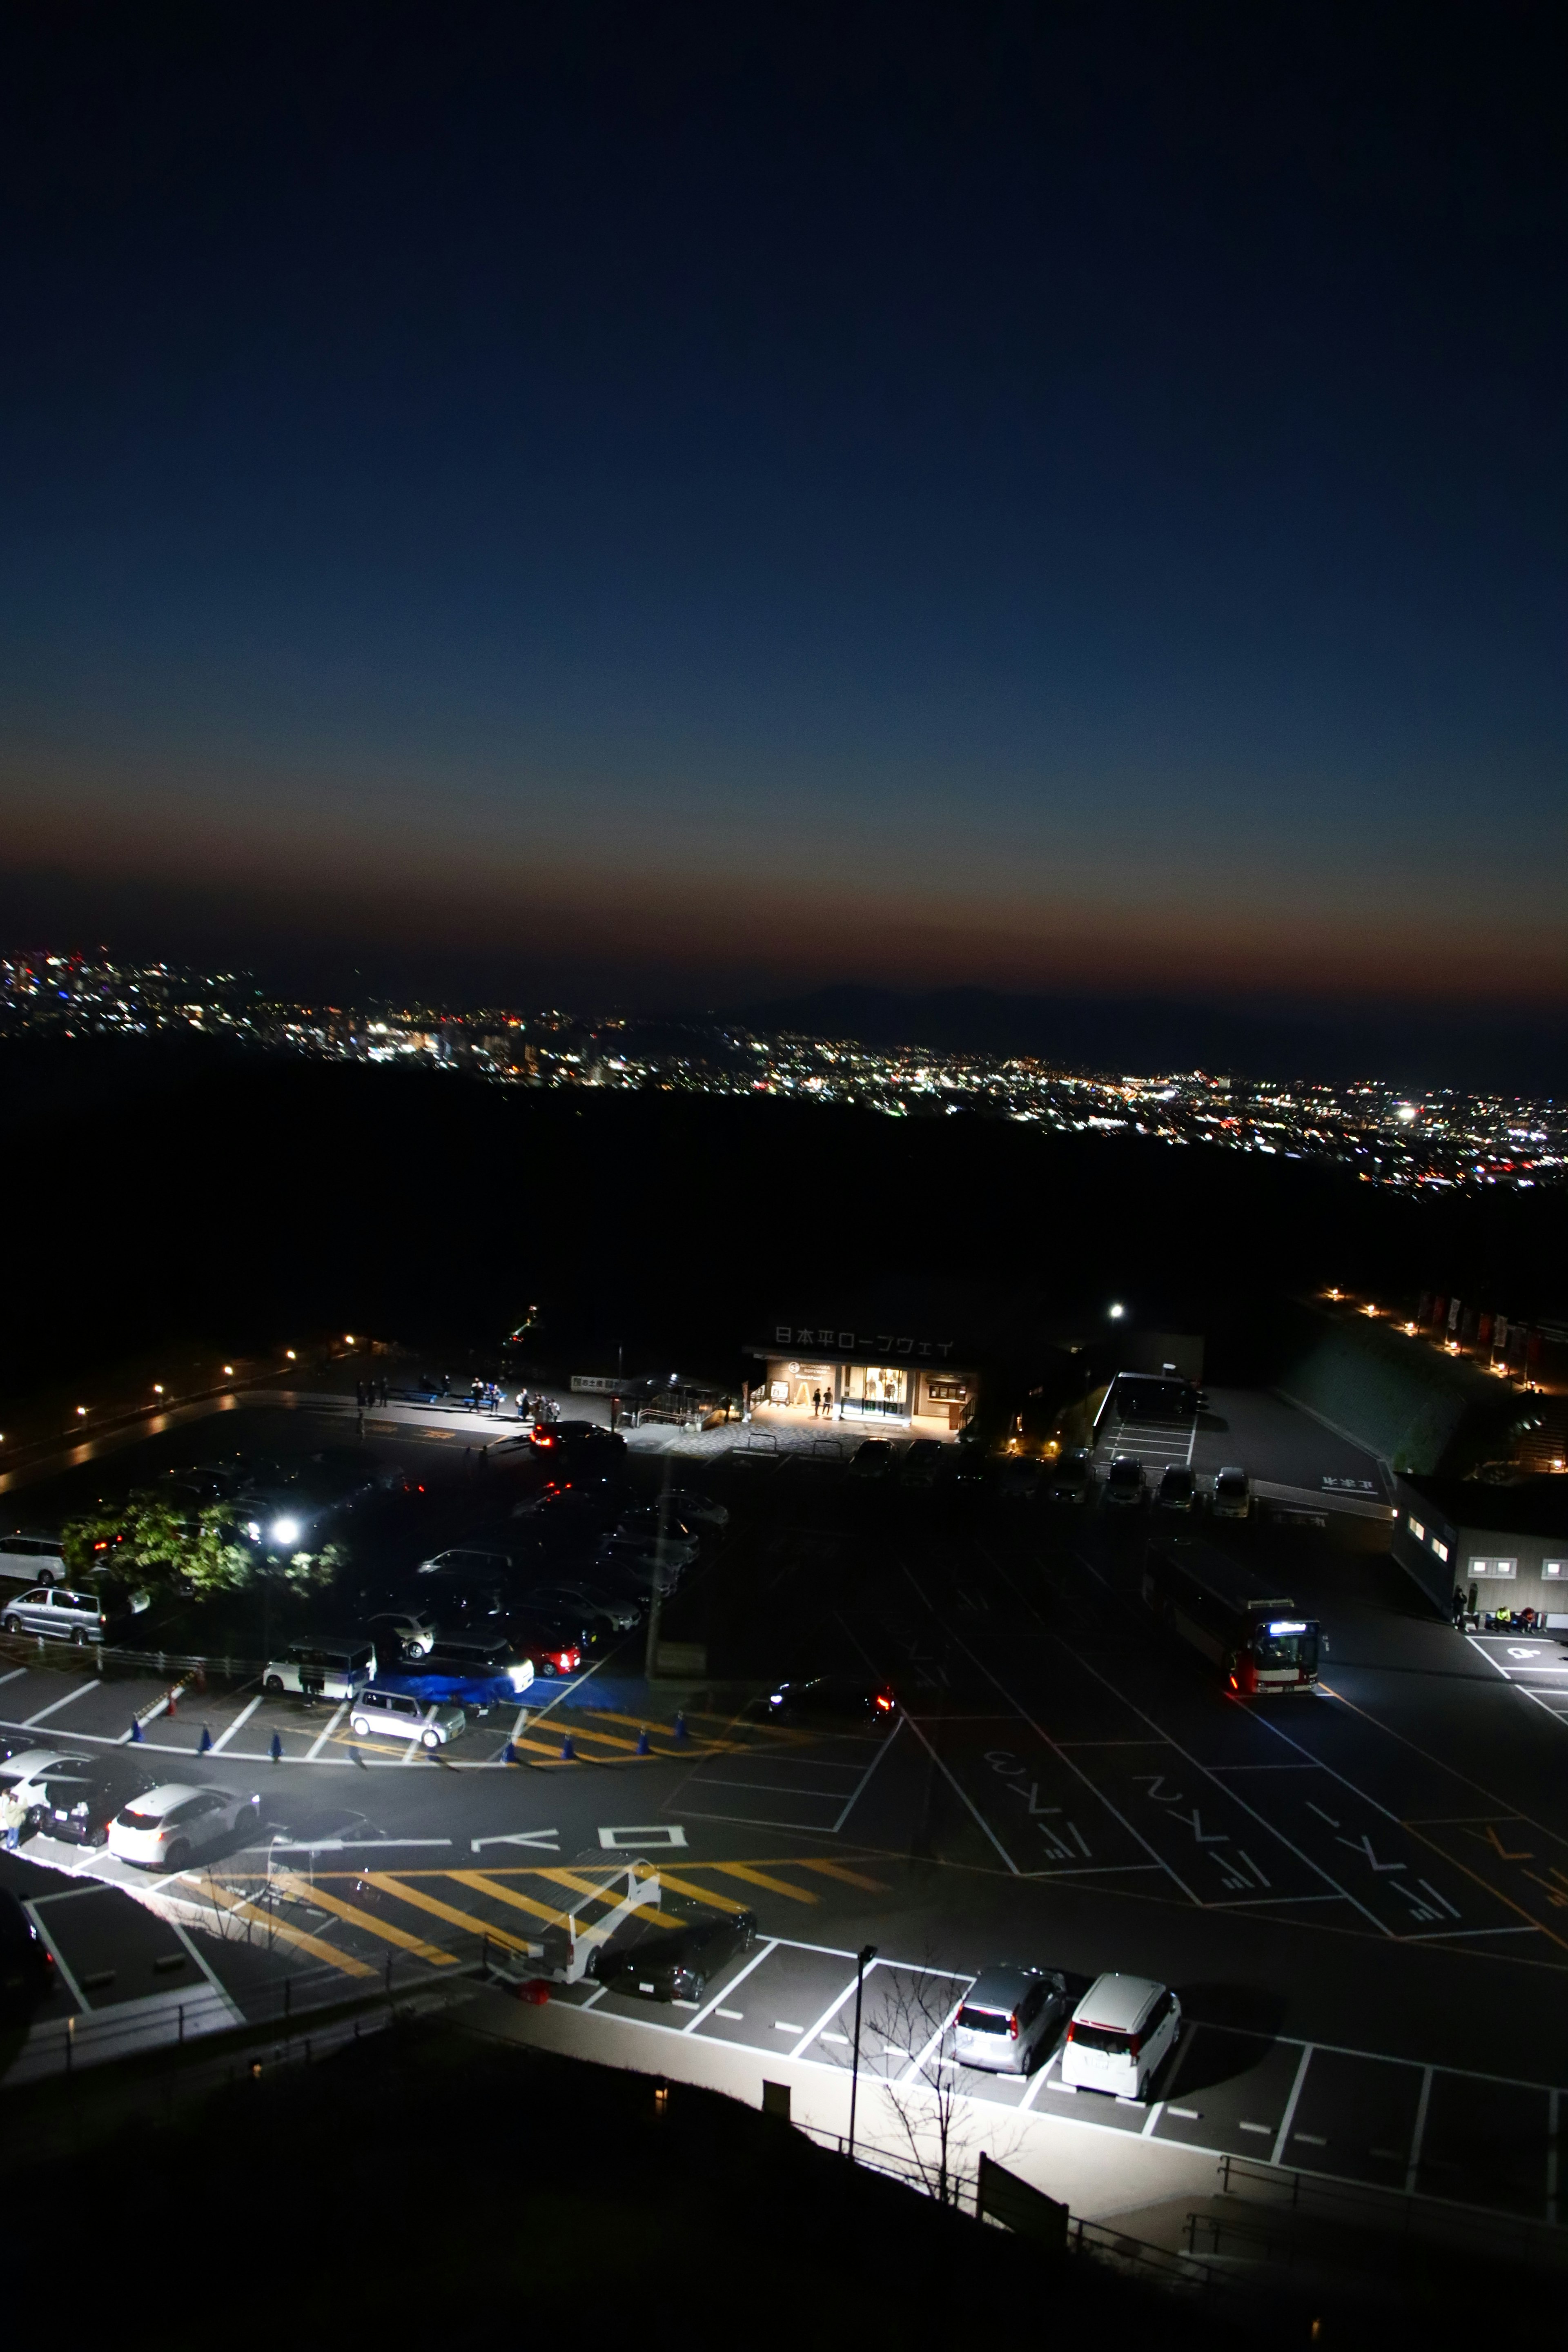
x: 551, y: 1913
x: 849, y: 1877
x: 295, y: 1936
x: 453, y: 1916
x: 759, y: 1879
x: 366, y: 1919
x: 599, y: 1891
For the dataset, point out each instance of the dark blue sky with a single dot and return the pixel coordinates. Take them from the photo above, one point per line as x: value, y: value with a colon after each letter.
x: 674, y: 503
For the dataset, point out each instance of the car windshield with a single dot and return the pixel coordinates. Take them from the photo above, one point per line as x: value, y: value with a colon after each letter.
x: 133, y: 1818
x: 984, y: 2021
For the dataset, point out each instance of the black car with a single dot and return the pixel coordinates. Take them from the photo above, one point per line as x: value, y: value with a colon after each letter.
x: 1073, y: 1475
x: 678, y: 1965
x: 78, y: 1804
x: 27, y: 1963
x: 851, y: 1700
x: 1178, y: 1489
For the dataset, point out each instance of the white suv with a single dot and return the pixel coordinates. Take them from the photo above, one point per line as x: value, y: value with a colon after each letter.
x: 395, y: 1715
x: 1120, y: 2035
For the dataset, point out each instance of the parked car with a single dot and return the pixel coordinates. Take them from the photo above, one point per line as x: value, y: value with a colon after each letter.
x: 320, y: 1669
x: 972, y: 1470
x: 589, y: 1505
x: 676, y: 1539
x: 76, y: 1802
x: 167, y: 1827
x: 27, y: 1771
x: 603, y: 1611
x: 700, y: 1511
x: 848, y: 1699
x: 1018, y: 1479
x: 1073, y: 1475
x: 921, y: 1461
x: 469, y: 1564
x: 1232, y: 1493
x: 1010, y: 2018
x: 1120, y: 2035
x: 1178, y: 1489
x: 874, y: 1458
x: 398, y: 1715
x: 410, y: 1632
x: 33, y: 1558
x: 640, y: 1563
x: 556, y: 1645
x: 679, y: 1965
x: 1125, y: 1486
x: 27, y: 1963
x: 58, y: 1613
x: 483, y: 1660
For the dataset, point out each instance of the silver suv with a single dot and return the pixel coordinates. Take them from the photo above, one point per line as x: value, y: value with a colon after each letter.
x: 1009, y: 2019
x: 397, y: 1715
x: 58, y: 1613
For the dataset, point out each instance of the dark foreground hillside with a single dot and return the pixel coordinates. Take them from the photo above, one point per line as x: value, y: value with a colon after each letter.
x: 155, y: 1193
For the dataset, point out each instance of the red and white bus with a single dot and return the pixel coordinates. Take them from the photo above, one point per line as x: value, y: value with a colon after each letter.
x: 1256, y: 1636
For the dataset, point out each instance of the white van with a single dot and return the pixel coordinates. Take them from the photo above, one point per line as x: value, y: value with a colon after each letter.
x: 321, y: 1670
x: 33, y: 1558
x: 1120, y: 2036
x: 58, y: 1614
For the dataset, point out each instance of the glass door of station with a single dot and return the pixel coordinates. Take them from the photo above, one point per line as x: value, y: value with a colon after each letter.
x: 799, y: 1384
x: 877, y: 1389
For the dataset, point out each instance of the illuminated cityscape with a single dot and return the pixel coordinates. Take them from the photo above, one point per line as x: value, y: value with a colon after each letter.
x: 1433, y: 1139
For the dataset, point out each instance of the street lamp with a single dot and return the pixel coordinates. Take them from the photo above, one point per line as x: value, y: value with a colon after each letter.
x: 863, y: 1959
x: 1116, y: 1311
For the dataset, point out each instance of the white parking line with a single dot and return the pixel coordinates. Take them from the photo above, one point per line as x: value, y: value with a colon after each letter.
x: 1419, y: 2134
x: 240, y: 1720
x: 16, y: 1674
x: 322, y: 1739
x: 712, y: 2009
x: 53, y: 1707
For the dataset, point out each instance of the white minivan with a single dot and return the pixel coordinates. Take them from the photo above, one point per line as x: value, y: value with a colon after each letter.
x: 320, y: 1669
x: 398, y: 1715
x: 1120, y: 2035
x: 33, y: 1558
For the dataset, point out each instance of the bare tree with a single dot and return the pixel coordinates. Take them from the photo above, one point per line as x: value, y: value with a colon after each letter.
x: 907, y: 2036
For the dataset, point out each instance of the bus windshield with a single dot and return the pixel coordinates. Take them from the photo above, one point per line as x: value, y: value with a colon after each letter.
x: 1272, y: 1650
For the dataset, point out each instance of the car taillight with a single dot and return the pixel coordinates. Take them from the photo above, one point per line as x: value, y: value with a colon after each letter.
x: 1072, y: 2030
x: 1013, y: 2027
x: 884, y: 1703
x: 1134, y: 2045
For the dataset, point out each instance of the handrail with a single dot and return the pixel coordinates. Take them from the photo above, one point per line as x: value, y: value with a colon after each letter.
x: 1408, y: 2209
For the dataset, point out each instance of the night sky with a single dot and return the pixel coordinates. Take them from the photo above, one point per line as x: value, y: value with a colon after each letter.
x: 672, y: 505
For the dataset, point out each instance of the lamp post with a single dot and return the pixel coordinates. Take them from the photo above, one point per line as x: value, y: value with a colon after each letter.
x: 863, y: 1959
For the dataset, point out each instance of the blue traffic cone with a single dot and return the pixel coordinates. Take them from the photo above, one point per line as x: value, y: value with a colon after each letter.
x: 135, y: 1727
x: 204, y: 1742
x: 276, y: 1749
x: 680, y: 1730
x: 643, y: 1747
x: 568, y: 1753
x: 510, y: 1754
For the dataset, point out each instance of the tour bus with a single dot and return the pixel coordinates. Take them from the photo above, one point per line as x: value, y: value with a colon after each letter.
x: 1257, y: 1637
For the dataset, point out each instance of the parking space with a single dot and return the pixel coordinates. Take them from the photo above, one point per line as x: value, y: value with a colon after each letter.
x: 1355, y: 2118
x: 109, y: 1949
x: 1041, y: 1813
x: 1229, y: 2092
x: 792, y: 1996
x: 1489, y: 2143
x: 1157, y: 1444
x: 1535, y: 1663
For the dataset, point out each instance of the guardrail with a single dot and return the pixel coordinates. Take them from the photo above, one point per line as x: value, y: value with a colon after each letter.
x: 105, y: 1653
x: 1393, y: 2212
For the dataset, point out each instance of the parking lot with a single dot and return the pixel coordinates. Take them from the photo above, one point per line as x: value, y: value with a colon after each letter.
x: 1358, y: 1893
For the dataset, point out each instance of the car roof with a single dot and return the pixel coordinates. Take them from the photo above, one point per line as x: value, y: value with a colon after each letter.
x: 163, y: 1799
x: 29, y: 1761
x: 1117, y: 2003
x: 1001, y: 1987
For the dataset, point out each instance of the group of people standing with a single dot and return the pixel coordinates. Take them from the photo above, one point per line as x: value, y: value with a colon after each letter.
x: 368, y: 1393
x: 822, y: 1405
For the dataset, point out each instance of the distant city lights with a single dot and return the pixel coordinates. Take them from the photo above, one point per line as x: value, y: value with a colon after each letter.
x: 1439, y: 1140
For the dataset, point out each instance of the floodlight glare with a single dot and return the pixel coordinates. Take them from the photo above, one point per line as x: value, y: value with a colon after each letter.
x: 1117, y: 1312
x: 285, y: 1531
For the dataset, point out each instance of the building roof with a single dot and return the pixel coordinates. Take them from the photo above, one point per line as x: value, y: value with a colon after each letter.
x: 1534, y: 1507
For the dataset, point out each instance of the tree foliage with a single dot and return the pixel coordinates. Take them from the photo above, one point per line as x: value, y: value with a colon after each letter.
x: 153, y: 1540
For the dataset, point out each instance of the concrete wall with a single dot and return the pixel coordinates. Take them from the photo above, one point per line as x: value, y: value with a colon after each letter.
x: 1412, y: 1407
